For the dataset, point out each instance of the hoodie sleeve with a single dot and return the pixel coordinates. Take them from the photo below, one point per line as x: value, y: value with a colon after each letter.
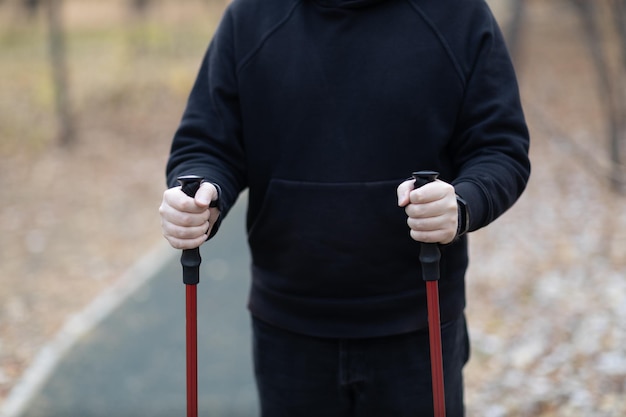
x: 491, y: 142
x: 208, y: 140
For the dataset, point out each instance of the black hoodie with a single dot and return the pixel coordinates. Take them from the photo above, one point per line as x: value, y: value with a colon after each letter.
x: 322, y: 108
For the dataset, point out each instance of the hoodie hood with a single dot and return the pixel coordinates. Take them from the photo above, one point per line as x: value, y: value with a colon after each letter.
x: 346, y: 4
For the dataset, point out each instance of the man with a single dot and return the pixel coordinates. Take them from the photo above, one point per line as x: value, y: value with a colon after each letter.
x: 322, y: 109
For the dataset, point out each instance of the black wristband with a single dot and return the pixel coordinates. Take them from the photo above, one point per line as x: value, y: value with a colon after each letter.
x: 463, y: 213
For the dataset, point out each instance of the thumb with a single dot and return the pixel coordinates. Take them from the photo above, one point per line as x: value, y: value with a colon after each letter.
x: 403, y: 191
x: 206, y: 193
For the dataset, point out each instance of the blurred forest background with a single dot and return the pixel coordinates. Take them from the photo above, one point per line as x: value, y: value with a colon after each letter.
x: 91, y: 92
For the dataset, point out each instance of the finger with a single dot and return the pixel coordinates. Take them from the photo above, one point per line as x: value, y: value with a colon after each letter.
x: 425, y: 194
x: 185, y: 243
x: 206, y: 194
x: 441, y: 229
x: 428, y: 224
x: 433, y: 191
x: 182, y: 218
x: 184, y: 233
x: 403, y: 192
x: 439, y: 212
x: 178, y: 200
x: 214, y: 214
x: 423, y: 210
x: 437, y: 236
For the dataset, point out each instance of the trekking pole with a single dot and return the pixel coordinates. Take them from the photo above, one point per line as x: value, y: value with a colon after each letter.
x: 429, y: 259
x: 190, y: 260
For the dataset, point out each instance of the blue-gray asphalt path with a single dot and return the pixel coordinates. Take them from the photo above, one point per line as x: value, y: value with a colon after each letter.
x: 133, y: 362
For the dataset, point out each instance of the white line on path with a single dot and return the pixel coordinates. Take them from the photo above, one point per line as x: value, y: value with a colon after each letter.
x: 79, y: 324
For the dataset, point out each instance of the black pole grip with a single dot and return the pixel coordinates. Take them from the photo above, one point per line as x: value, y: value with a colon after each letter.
x: 429, y: 252
x: 424, y: 177
x: 190, y: 259
x: 190, y: 184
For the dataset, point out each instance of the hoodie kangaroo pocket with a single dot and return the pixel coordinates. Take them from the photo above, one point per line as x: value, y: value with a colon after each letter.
x: 332, y: 239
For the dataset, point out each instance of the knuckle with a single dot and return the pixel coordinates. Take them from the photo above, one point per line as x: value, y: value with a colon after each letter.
x: 186, y: 219
x: 175, y: 243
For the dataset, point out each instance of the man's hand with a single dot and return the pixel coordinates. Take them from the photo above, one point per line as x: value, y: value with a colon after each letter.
x: 431, y: 209
x: 186, y: 222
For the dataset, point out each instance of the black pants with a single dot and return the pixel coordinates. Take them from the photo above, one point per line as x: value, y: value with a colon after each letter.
x: 302, y: 376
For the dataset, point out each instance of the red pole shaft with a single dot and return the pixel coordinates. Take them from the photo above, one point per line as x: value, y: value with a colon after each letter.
x: 192, y: 351
x: 436, y: 358
x: 429, y: 258
x: 190, y: 260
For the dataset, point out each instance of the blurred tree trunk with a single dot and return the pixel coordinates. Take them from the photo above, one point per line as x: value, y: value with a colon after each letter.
x: 56, y: 38
x: 513, y: 32
x: 609, y: 87
x: 618, y: 11
x: 31, y: 6
x: 138, y: 13
x: 612, y: 89
x: 140, y: 6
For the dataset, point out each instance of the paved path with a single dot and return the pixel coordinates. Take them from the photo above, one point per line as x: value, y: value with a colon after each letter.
x: 133, y: 362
